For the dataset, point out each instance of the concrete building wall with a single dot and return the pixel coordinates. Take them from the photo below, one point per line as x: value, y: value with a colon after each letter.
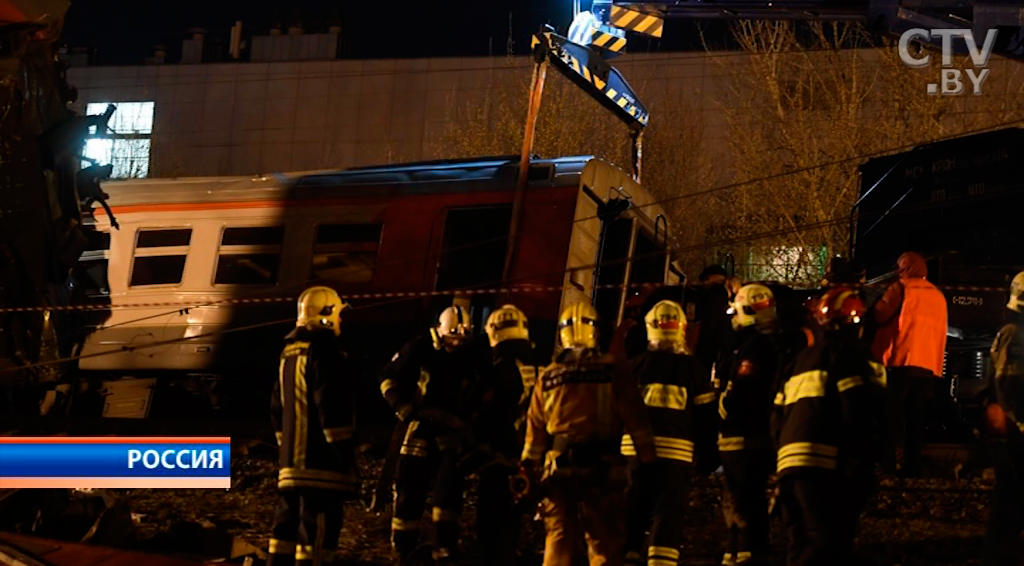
x: 244, y: 118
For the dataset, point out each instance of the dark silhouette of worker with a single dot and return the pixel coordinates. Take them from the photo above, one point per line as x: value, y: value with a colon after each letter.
x: 711, y: 317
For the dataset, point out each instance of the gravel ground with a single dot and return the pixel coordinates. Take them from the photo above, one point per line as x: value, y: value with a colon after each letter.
x: 908, y: 522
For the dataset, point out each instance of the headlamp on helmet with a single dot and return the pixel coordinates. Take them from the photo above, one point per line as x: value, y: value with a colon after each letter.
x: 454, y: 325
x: 320, y: 307
x: 666, y: 322
x: 754, y: 305
x: 507, y: 323
x: 577, y: 326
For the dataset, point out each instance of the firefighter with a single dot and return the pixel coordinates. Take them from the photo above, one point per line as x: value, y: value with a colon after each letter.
x: 427, y: 384
x: 680, y: 403
x: 827, y: 425
x: 746, y: 380
x: 312, y: 413
x: 1002, y: 542
x: 499, y: 411
x: 573, y: 432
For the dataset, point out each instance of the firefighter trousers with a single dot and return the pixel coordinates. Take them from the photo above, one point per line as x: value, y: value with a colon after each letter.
x: 658, y: 505
x: 307, y: 524
x: 1006, y: 515
x: 573, y: 510
x: 821, y: 509
x: 417, y: 476
x: 745, y: 504
x: 497, y: 519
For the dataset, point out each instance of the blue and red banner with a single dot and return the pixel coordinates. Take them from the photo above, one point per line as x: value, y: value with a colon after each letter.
x: 115, y: 462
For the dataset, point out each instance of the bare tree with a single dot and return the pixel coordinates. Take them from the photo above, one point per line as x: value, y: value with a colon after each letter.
x: 805, y: 107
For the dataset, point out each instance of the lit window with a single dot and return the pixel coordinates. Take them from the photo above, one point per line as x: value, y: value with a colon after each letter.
x: 126, y: 143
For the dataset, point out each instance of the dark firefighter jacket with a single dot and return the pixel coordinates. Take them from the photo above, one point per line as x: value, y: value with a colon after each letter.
x: 1008, y: 362
x: 829, y: 410
x: 680, y: 402
x: 747, y: 377
x: 583, y: 398
x: 312, y: 412
x: 424, y: 374
x: 498, y: 402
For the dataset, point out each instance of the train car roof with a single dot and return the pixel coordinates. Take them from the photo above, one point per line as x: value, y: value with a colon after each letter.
x: 482, y: 173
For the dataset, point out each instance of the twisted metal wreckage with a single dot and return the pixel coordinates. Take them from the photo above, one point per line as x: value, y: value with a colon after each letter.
x: 41, y: 189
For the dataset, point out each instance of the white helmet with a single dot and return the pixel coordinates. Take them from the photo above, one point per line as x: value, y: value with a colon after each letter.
x: 507, y: 323
x: 320, y: 307
x: 1016, y: 302
x: 454, y: 325
x: 754, y: 304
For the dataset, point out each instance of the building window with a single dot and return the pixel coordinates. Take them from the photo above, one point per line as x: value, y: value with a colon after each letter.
x: 249, y: 256
x: 345, y: 253
x: 160, y: 256
x: 126, y: 143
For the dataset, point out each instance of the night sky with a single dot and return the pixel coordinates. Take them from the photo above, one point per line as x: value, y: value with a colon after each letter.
x: 123, y: 32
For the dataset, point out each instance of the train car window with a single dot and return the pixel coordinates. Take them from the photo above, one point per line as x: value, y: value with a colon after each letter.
x: 253, y: 236
x: 345, y: 253
x: 158, y: 270
x: 610, y: 274
x: 473, y: 247
x: 90, y: 274
x: 648, y: 261
x: 247, y: 269
x: 162, y: 238
x: 249, y: 255
x: 160, y: 256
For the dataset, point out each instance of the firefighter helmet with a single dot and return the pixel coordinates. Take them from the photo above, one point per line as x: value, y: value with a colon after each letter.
x: 320, y: 307
x: 507, y: 323
x: 1016, y: 302
x: 454, y: 321
x: 754, y: 304
x: 666, y: 322
x: 839, y: 306
x: 577, y: 327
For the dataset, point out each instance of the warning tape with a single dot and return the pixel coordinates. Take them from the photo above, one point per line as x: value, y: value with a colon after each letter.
x: 398, y: 295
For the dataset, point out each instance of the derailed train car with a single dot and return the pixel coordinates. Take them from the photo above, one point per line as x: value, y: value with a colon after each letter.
x: 957, y: 202
x: 199, y: 269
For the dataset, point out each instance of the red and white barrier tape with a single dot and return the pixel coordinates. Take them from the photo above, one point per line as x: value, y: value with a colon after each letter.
x: 393, y: 295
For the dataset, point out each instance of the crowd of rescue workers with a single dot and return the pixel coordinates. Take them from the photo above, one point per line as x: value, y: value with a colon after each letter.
x: 604, y: 447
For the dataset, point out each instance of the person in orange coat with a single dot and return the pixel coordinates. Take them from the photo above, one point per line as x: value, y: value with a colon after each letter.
x: 912, y: 321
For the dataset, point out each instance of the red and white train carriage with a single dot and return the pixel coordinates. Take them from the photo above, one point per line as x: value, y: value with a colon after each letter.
x: 212, y: 254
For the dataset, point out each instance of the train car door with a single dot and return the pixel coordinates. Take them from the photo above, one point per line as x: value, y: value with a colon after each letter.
x: 472, y: 256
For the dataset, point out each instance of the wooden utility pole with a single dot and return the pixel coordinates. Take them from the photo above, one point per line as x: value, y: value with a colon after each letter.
x: 540, y: 70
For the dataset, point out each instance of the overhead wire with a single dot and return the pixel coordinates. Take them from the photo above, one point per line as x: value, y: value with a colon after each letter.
x: 705, y: 192
x: 829, y: 222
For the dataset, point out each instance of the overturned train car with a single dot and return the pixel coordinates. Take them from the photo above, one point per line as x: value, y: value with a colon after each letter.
x: 199, y: 278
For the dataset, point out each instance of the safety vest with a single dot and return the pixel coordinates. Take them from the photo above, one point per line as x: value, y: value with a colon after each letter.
x: 919, y: 336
